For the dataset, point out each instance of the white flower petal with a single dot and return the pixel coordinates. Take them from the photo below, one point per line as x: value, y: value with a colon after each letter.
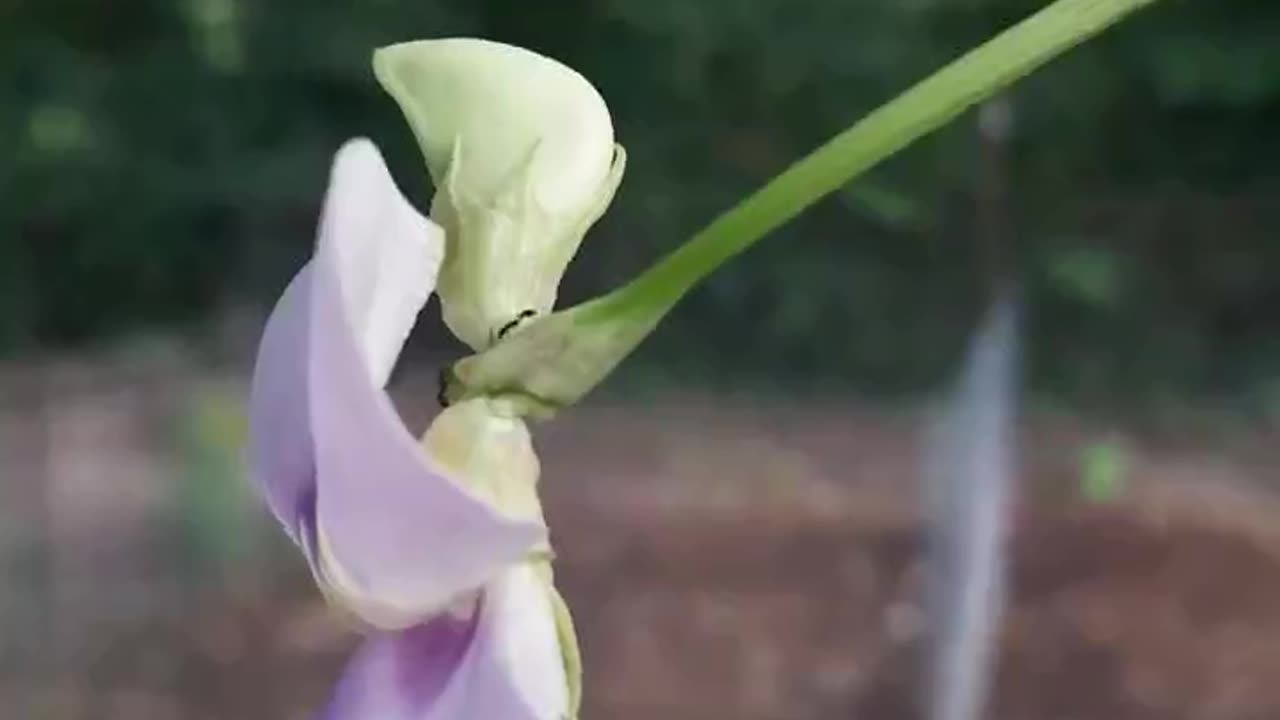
x: 498, y: 102
x: 522, y: 154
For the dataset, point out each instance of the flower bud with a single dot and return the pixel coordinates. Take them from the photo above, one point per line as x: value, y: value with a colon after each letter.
x: 521, y: 151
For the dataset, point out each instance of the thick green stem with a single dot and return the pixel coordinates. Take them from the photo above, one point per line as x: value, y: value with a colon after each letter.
x: 925, y: 107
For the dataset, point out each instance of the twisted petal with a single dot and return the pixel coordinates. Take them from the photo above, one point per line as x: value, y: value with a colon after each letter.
x: 328, y: 448
x: 502, y: 663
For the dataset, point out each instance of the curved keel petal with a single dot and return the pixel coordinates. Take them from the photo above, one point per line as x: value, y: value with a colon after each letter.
x: 514, y: 668
x: 400, y: 675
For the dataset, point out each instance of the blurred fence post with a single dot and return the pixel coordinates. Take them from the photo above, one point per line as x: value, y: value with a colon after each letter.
x: 994, y: 237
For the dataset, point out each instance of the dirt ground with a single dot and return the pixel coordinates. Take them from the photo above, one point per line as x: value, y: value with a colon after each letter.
x: 1116, y: 616
x: 766, y: 565
x: 1116, y: 612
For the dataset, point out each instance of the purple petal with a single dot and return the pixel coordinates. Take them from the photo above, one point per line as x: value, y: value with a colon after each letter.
x: 505, y: 666
x: 329, y: 449
x: 281, y: 452
x: 400, y: 674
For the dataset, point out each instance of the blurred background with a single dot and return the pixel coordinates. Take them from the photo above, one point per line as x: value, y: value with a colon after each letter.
x: 735, y: 511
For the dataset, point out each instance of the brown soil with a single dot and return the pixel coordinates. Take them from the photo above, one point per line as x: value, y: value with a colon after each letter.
x: 1114, y: 615
x: 780, y: 579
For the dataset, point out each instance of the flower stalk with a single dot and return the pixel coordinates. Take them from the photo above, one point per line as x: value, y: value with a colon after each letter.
x: 556, y: 360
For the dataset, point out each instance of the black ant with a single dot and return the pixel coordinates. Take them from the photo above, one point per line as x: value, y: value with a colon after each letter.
x: 524, y: 315
x: 442, y: 380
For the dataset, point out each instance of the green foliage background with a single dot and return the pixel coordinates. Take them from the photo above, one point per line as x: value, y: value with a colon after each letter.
x: 162, y: 160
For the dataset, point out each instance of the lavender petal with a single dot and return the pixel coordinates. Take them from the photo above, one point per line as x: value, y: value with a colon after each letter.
x: 506, y: 665
x: 331, y: 453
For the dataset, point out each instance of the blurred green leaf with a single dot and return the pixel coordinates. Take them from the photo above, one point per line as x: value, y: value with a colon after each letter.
x: 1104, y: 471
x: 164, y: 159
x: 1091, y: 276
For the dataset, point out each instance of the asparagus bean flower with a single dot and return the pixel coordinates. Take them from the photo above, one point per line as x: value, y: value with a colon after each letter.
x: 438, y: 546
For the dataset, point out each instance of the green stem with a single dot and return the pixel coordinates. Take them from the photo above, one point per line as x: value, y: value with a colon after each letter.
x: 925, y: 107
